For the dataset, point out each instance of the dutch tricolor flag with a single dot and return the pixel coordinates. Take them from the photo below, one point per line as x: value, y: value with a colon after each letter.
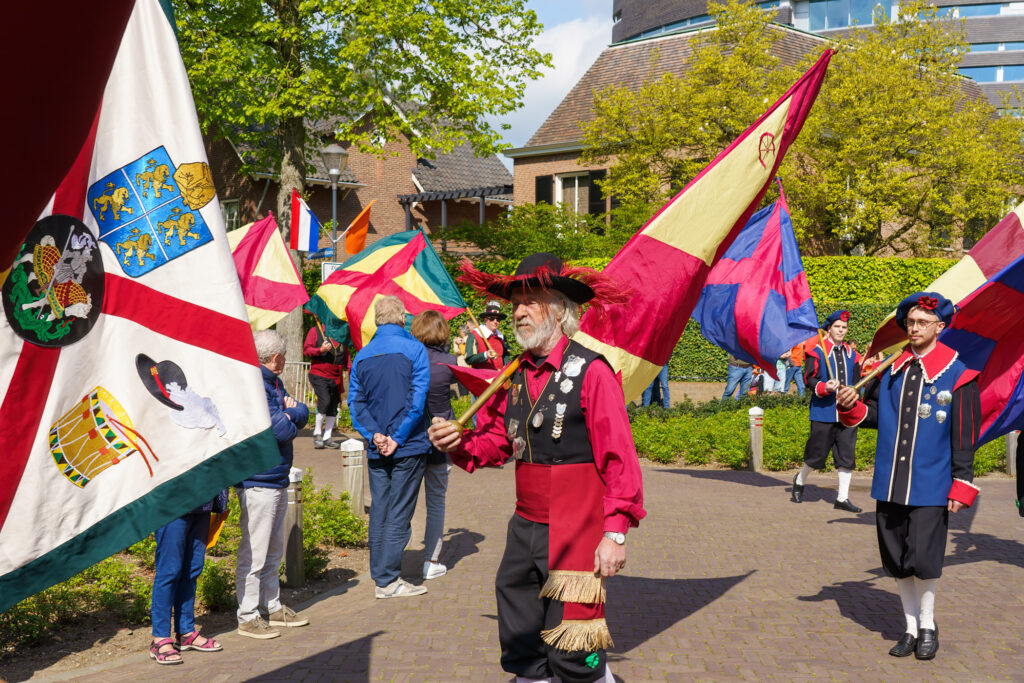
x: 305, y: 226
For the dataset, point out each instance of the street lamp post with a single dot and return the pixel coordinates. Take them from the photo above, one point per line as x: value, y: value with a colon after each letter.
x: 335, y: 159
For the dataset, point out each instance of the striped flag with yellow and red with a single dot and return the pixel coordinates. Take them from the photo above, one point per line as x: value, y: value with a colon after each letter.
x: 668, y: 261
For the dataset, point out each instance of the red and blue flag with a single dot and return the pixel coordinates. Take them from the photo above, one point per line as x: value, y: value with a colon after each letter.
x: 756, y: 303
x: 988, y: 333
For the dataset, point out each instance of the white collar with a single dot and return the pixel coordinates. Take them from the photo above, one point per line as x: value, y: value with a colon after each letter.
x: 486, y: 332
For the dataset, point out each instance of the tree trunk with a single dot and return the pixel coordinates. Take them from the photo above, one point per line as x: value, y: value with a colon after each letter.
x: 293, y: 175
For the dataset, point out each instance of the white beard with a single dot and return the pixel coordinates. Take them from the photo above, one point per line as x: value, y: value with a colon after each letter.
x: 532, y: 338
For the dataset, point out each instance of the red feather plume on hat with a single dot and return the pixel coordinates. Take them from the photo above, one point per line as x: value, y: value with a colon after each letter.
x: 607, y: 292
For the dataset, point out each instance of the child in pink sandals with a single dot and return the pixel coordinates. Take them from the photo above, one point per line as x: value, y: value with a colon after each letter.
x: 180, y: 555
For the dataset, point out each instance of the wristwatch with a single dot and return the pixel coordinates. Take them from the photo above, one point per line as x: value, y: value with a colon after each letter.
x: 616, y: 536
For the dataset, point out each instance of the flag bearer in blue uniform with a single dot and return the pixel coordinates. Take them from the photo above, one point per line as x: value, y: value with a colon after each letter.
x: 827, y: 432
x: 925, y: 408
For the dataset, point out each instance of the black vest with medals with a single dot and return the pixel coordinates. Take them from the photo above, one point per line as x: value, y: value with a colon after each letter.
x: 553, y: 430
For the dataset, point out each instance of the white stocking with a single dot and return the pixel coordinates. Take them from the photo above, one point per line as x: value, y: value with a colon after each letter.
x: 926, y: 598
x: 845, y: 476
x: 319, y: 425
x: 801, y: 477
x: 328, y: 427
x: 911, y: 605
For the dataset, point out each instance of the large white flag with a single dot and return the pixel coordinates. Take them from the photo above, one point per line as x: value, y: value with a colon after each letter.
x: 129, y: 387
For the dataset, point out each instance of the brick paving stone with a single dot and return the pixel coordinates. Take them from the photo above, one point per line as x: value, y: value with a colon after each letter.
x: 726, y: 580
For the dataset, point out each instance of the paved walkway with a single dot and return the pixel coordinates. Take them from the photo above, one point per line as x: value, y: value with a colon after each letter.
x: 726, y: 580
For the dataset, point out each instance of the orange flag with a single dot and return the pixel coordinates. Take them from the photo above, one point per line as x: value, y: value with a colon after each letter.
x: 355, y: 235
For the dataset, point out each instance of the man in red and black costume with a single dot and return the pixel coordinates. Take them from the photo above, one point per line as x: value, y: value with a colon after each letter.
x: 328, y: 362
x: 578, y: 482
x: 485, y: 345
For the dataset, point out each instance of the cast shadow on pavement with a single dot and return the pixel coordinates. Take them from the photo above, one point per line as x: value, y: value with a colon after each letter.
x: 873, y: 608
x: 742, y: 477
x: 641, y: 608
x: 460, y: 544
x: 346, y: 662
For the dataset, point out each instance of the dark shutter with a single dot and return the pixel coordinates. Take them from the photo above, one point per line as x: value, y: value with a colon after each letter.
x: 595, y: 202
x: 545, y: 189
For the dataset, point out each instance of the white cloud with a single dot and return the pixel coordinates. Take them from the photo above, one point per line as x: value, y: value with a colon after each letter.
x: 574, y: 45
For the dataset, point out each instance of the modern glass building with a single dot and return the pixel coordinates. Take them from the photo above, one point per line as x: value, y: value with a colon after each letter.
x: 995, y: 30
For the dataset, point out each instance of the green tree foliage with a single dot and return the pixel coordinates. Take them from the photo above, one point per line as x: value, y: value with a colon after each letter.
x: 894, y: 155
x: 266, y: 72
x: 663, y: 135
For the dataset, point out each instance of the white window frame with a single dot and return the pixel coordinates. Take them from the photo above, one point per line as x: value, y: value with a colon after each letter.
x: 576, y: 194
x: 238, y: 217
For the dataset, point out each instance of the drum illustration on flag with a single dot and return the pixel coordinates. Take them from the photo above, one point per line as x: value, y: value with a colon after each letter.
x: 94, y: 435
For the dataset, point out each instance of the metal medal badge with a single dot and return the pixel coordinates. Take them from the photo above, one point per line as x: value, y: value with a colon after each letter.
x: 924, y: 411
x: 573, y: 365
x: 556, y: 429
x: 944, y: 398
x: 538, y: 419
x: 940, y: 416
x: 518, y: 447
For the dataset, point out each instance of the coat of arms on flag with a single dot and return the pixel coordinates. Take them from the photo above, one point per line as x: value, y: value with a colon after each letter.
x: 130, y: 391
x: 146, y: 216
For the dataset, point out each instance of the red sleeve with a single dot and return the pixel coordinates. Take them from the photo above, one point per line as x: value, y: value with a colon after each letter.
x: 486, y: 445
x: 310, y: 347
x: 604, y: 409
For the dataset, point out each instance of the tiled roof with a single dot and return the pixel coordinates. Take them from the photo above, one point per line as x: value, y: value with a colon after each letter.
x: 460, y: 169
x: 629, y: 65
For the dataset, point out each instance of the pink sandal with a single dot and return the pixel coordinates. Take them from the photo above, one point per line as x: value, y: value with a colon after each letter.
x: 188, y: 643
x: 169, y: 657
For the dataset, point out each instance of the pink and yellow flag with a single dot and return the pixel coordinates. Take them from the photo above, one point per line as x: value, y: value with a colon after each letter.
x: 271, y: 285
x: 668, y: 261
x: 1000, y: 247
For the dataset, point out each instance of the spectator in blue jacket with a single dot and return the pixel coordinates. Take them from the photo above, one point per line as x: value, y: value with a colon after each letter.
x: 387, y: 394
x: 263, y: 498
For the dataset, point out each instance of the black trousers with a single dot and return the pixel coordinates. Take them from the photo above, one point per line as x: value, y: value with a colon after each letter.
x: 823, y: 436
x: 912, y: 539
x: 328, y: 398
x: 522, y: 614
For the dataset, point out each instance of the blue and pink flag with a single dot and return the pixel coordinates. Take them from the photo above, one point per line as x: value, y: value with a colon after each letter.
x: 756, y: 303
x: 305, y: 226
x: 988, y: 333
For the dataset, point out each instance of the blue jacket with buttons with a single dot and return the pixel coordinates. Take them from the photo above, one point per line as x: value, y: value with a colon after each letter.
x: 286, y: 423
x: 387, y: 391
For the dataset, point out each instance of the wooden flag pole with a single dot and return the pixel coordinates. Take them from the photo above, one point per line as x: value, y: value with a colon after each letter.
x: 877, y: 371
x: 824, y: 354
x: 492, y: 389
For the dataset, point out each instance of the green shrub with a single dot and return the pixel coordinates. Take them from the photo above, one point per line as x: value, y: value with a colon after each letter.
x: 144, y: 551
x: 216, y: 587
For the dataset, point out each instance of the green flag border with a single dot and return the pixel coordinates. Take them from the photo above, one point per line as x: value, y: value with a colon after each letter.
x: 139, y: 518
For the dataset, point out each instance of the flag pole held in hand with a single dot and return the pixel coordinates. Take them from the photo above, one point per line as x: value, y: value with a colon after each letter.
x: 824, y: 355
x: 877, y: 371
x: 492, y: 389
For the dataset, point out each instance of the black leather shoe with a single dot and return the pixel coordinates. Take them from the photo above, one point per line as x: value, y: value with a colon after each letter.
x: 927, y: 643
x: 846, y: 505
x: 904, y: 647
x: 798, y: 491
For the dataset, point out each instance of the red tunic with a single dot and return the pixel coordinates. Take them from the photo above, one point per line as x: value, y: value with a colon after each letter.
x: 604, y: 409
x: 321, y: 363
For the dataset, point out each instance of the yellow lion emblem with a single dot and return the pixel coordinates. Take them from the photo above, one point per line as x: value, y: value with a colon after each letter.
x: 178, y: 223
x: 115, y: 198
x: 154, y: 176
x: 140, y: 244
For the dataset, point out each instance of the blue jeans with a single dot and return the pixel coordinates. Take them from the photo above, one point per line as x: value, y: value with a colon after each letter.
x: 662, y: 381
x: 394, y: 485
x: 180, y: 554
x: 435, y: 488
x: 796, y: 374
x: 740, y: 376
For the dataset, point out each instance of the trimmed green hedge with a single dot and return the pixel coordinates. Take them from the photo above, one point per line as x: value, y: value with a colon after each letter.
x: 716, y: 433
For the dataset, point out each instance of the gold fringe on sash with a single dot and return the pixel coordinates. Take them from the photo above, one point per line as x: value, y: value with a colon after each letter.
x: 574, y: 586
x: 573, y: 636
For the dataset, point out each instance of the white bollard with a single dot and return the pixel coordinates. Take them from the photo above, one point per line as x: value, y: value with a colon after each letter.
x: 756, y: 437
x: 1011, y: 453
x: 353, y: 468
x: 294, y: 567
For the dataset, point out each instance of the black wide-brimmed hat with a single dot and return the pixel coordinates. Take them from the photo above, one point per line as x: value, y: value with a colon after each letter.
x: 544, y: 271
x: 492, y: 310
x: 156, y: 376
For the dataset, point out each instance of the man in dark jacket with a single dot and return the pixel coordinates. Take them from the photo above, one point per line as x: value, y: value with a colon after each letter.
x: 263, y: 498
x: 387, y: 393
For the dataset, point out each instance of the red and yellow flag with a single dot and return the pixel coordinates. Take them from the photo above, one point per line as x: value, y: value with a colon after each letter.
x: 668, y: 261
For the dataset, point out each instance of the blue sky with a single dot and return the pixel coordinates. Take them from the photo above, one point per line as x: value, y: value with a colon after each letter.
x: 575, y: 32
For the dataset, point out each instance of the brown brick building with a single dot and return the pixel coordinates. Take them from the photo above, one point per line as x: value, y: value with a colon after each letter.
x: 410, y: 191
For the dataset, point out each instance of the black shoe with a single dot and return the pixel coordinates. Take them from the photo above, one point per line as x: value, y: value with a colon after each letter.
x: 318, y: 443
x: 904, y: 647
x: 798, y: 491
x: 927, y: 643
x: 846, y: 505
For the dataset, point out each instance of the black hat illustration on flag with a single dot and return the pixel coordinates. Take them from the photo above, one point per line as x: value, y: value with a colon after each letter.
x: 156, y: 376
